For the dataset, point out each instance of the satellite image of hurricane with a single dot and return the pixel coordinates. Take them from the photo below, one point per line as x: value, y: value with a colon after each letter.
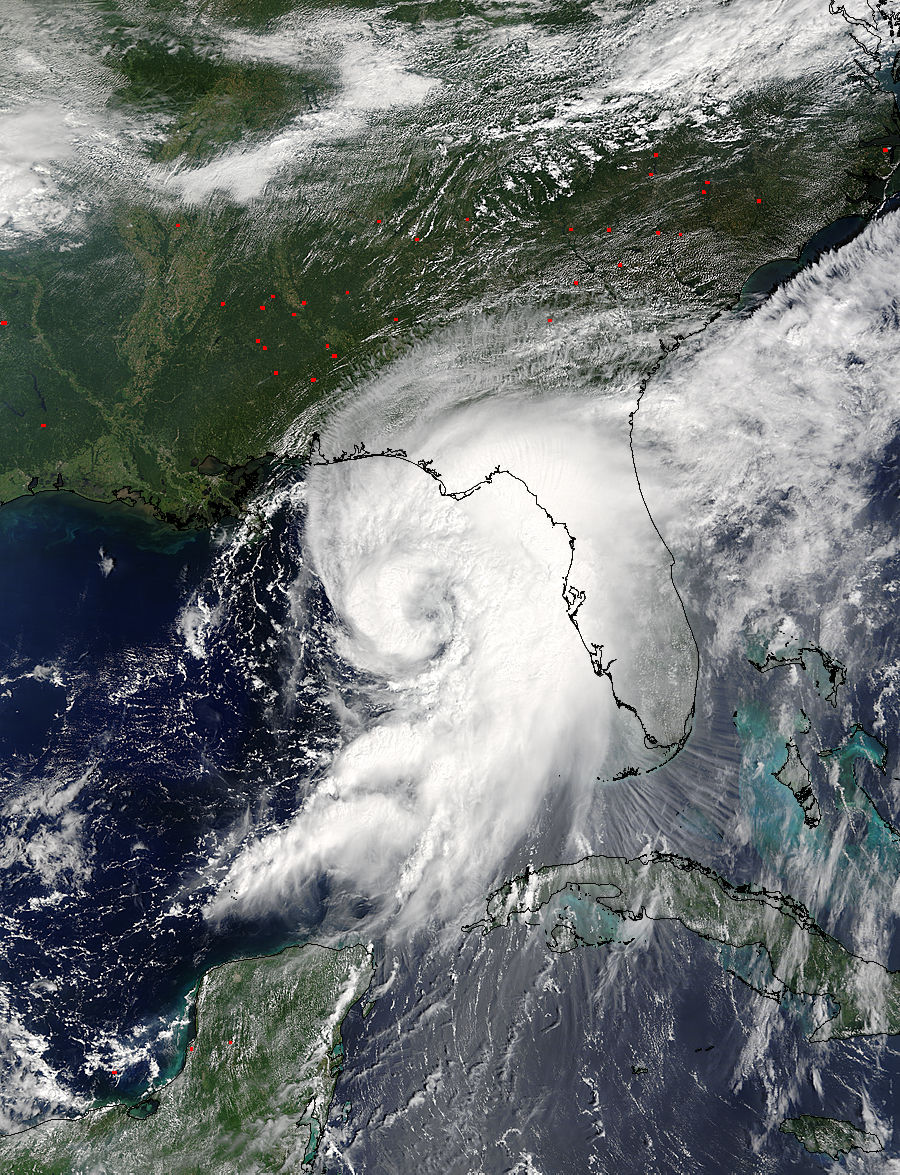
x: 450, y: 582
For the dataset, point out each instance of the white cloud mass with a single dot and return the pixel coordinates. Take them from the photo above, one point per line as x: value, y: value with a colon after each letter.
x: 449, y: 611
x: 756, y: 445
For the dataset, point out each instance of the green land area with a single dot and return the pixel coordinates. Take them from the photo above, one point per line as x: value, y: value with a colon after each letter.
x: 830, y: 1136
x: 825, y: 672
x: 771, y: 941
x: 120, y: 369
x: 254, y: 1091
x: 794, y: 774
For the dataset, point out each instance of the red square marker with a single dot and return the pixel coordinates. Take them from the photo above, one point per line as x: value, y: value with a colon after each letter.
x: 43, y: 426
x: 549, y: 319
x: 346, y: 291
x: 265, y: 348
x: 271, y: 295
x: 396, y: 320
x: 619, y: 264
x: 571, y: 230
x: 4, y: 323
x: 262, y: 307
x: 658, y: 233
x: 302, y: 303
x: 651, y: 175
x: 293, y: 314
x: 274, y: 372
x: 575, y: 282
x: 259, y: 340
x: 758, y: 200
x: 221, y: 303
x: 313, y: 380
x: 655, y: 154
x: 609, y: 230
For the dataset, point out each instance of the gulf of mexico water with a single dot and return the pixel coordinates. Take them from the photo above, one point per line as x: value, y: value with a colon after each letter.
x: 125, y: 766
x: 129, y: 764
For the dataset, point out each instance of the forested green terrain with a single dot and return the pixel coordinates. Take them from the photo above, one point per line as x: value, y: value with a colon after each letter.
x: 310, y: 198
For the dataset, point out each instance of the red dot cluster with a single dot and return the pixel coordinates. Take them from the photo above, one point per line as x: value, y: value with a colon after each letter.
x: 704, y: 191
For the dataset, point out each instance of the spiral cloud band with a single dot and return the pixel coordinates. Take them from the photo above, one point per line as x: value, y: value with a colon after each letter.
x: 487, y: 580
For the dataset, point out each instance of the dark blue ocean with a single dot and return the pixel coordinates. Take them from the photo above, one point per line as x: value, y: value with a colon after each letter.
x: 124, y: 765
x: 132, y: 768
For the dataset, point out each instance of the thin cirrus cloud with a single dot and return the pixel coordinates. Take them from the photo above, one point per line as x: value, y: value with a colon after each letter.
x: 64, y: 148
x: 68, y: 148
x: 760, y: 444
x: 371, y: 79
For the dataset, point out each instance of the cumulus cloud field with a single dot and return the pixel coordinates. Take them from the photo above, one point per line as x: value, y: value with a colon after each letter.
x: 65, y: 145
